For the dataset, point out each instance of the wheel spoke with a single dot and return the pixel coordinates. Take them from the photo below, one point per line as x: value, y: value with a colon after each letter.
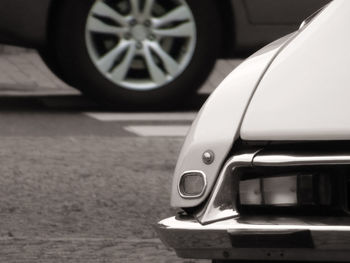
x: 183, y: 30
x: 180, y: 13
x: 157, y: 75
x: 135, y: 8
x: 104, y: 10
x: 147, y: 10
x: 97, y: 26
x: 140, y: 32
x: 107, y: 61
x: 170, y: 64
x: 121, y: 70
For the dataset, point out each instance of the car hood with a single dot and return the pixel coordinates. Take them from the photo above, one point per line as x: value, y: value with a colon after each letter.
x: 305, y: 94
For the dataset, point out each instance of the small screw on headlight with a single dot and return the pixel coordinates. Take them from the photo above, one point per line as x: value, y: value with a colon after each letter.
x: 208, y: 157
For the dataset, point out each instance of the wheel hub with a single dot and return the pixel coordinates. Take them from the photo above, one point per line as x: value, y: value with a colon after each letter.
x: 139, y: 32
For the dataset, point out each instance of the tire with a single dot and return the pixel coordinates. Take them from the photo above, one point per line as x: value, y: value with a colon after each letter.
x: 51, y: 62
x: 246, y: 261
x: 75, y: 47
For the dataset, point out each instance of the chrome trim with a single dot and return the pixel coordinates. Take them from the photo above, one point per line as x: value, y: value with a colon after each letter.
x: 221, y: 204
x: 208, y: 234
x: 312, y: 17
x: 300, y: 159
x: 302, y: 25
x: 192, y: 196
x: 190, y: 239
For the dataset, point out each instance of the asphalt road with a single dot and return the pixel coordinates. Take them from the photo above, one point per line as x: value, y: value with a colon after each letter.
x: 79, y: 183
x: 77, y: 188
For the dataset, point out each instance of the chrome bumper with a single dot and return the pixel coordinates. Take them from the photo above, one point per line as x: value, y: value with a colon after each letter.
x: 290, y: 239
x: 218, y: 231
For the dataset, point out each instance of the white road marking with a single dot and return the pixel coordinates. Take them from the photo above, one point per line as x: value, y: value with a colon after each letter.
x: 79, y: 239
x: 159, y: 130
x: 161, y: 116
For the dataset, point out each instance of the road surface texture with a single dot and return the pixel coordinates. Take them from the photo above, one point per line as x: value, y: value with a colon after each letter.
x: 79, y: 183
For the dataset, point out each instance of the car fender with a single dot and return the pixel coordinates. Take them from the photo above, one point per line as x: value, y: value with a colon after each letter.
x: 217, y: 125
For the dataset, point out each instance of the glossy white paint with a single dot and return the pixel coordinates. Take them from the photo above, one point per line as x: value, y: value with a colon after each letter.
x: 305, y: 94
x: 218, y: 123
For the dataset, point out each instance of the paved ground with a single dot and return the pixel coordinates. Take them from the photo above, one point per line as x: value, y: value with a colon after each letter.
x: 24, y: 73
x: 77, y: 183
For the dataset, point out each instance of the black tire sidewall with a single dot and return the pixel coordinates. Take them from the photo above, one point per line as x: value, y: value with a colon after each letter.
x: 73, y: 56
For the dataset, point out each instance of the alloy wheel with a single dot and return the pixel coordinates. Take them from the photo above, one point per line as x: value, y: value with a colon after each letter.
x: 140, y: 44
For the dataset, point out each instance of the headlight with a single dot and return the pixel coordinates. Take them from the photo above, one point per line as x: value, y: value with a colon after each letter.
x: 287, y: 191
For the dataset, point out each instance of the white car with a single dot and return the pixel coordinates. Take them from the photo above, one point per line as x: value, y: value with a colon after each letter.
x: 264, y: 173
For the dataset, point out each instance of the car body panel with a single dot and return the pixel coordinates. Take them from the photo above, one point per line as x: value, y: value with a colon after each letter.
x: 24, y: 22
x: 208, y: 132
x: 286, y: 12
x: 255, y: 25
x: 249, y: 36
x: 302, y: 97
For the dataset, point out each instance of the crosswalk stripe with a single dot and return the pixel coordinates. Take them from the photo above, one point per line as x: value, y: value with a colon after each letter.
x: 150, y: 116
x: 159, y: 130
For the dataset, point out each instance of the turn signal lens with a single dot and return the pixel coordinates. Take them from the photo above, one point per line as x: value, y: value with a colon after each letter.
x: 309, y: 190
x: 269, y: 191
x: 289, y: 190
x: 192, y: 184
x: 250, y: 193
x: 280, y: 190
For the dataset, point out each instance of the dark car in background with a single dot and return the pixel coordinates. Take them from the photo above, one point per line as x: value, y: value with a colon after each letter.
x: 145, y: 52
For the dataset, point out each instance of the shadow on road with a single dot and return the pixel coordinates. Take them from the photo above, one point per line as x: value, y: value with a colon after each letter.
x: 74, y: 103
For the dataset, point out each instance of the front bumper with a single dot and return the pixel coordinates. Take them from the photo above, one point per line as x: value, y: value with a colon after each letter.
x: 289, y: 239
x: 218, y: 231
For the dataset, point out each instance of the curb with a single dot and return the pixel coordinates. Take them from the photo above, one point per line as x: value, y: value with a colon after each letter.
x: 6, y: 49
